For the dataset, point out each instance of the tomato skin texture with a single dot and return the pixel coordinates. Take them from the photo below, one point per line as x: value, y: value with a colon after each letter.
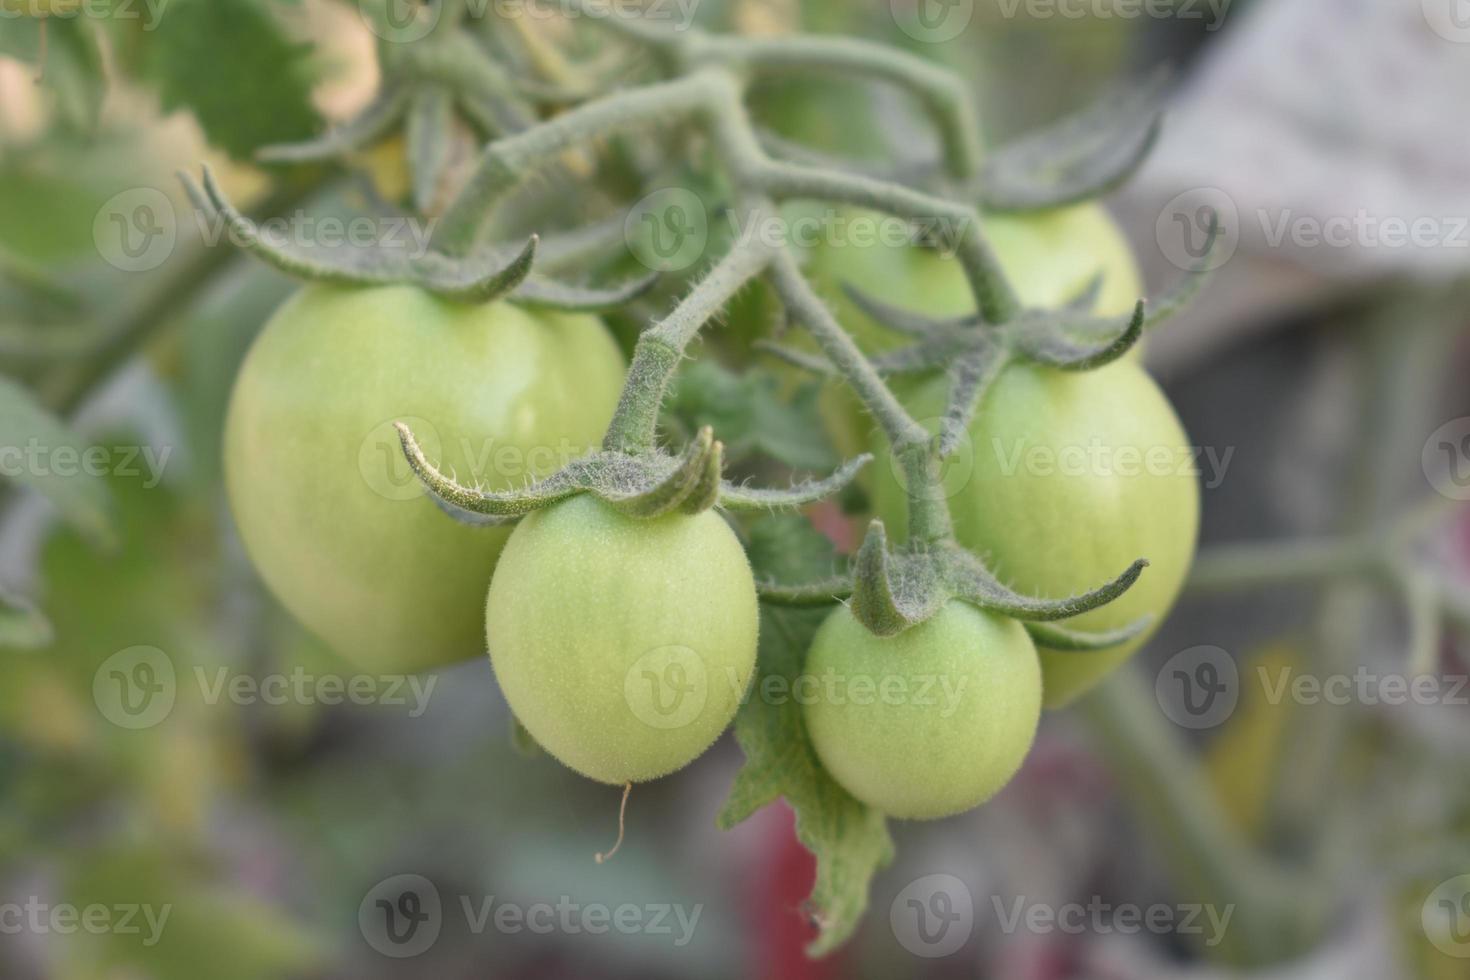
x: 932, y: 752
x: 327, y: 509
x: 1056, y: 492
x: 597, y: 621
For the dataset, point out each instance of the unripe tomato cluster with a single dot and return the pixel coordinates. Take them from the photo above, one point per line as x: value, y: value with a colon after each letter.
x: 625, y: 646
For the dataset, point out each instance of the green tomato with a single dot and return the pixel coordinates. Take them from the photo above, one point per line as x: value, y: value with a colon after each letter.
x: 1067, y: 478
x: 930, y: 722
x: 624, y: 646
x: 328, y: 510
x: 1049, y: 256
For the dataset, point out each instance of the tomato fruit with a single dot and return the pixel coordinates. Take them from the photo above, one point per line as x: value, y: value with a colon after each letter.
x: 624, y: 646
x: 930, y: 722
x: 1067, y: 478
x: 328, y: 510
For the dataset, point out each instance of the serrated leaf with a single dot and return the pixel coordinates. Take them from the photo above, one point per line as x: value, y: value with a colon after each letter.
x: 41, y: 453
x: 849, y: 839
x: 230, y: 64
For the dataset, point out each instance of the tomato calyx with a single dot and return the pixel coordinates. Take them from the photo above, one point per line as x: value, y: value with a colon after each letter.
x: 485, y: 275
x: 894, y: 590
x: 645, y: 485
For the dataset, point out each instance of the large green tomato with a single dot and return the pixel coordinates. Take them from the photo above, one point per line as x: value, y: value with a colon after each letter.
x: 1049, y: 256
x: 624, y: 646
x: 333, y: 519
x: 928, y: 723
x: 1067, y: 478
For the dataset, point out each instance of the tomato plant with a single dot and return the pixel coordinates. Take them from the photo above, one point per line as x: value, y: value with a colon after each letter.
x: 1051, y: 257
x: 1064, y: 478
x: 330, y: 514
x: 623, y: 645
x: 928, y: 723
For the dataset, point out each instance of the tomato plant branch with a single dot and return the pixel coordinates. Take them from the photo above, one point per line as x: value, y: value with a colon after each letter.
x: 661, y: 348
x: 1170, y: 791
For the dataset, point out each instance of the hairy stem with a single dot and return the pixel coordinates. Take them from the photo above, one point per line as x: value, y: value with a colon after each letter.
x: 634, y: 427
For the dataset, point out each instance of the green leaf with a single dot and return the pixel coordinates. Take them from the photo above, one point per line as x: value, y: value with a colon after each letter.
x: 850, y: 840
x: 38, y: 451
x: 749, y: 415
x: 22, y: 625
x: 229, y: 63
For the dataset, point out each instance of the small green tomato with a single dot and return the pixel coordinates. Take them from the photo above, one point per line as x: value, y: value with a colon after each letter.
x: 624, y: 646
x: 928, y: 723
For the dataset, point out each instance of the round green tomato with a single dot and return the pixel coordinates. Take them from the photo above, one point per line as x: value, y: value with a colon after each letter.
x: 930, y: 722
x: 1049, y: 256
x: 1067, y: 478
x: 329, y: 512
x: 623, y: 646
